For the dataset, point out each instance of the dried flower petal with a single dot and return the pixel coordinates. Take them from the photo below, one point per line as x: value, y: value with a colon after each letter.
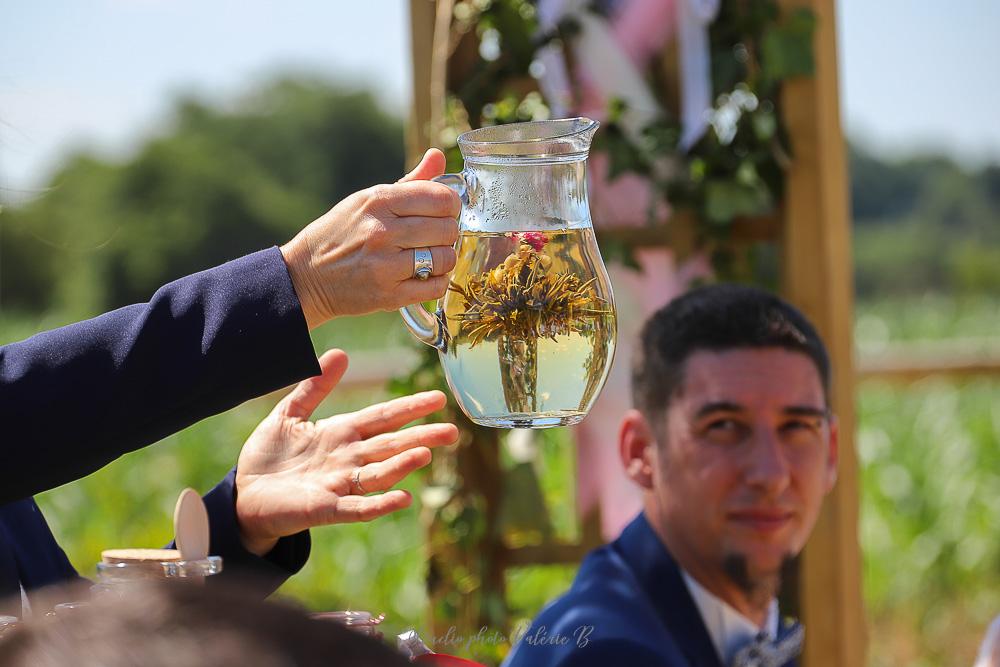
x: 520, y: 299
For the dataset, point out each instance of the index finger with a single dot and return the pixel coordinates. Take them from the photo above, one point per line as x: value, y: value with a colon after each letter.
x: 396, y: 413
x: 421, y: 199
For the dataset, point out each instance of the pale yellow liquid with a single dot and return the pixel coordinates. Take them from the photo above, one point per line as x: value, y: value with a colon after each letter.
x: 495, y: 380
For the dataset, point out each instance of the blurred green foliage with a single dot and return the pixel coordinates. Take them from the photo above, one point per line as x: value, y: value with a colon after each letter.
x: 924, y: 224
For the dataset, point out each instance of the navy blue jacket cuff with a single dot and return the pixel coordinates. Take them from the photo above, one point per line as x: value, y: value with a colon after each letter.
x: 267, y: 572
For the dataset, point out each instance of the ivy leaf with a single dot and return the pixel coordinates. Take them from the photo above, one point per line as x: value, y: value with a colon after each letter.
x: 661, y: 137
x: 786, y: 50
x: 746, y: 174
x: 697, y: 169
x: 727, y: 200
x: 616, y: 108
x: 764, y: 125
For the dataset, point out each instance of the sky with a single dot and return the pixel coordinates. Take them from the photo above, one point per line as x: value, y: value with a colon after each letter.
x: 915, y: 75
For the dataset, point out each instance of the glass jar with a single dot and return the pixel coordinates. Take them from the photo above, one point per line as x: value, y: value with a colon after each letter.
x: 122, y: 567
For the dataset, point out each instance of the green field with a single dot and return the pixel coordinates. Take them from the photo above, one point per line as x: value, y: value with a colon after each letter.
x: 930, y: 503
x: 930, y: 479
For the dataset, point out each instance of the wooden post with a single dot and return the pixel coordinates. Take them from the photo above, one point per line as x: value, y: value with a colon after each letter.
x: 422, y: 18
x: 817, y: 277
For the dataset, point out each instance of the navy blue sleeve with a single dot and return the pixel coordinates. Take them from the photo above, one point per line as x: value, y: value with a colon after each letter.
x: 75, y: 398
x: 29, y: 554
x: 265, y: 573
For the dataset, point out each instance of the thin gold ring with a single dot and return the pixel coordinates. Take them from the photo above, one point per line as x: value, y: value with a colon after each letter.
x: 357, y: 481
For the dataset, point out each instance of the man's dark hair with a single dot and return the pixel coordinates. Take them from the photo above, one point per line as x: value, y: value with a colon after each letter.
x: 715, y: 318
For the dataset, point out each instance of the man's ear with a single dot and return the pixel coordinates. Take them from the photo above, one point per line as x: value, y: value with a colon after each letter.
x: 637, y: 448
x: 833, y: 455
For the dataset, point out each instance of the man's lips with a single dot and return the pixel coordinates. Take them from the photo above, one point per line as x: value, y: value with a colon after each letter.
x: 763, y: 520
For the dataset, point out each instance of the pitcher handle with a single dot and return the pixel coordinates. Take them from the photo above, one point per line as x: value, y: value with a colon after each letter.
x: 424, y: 326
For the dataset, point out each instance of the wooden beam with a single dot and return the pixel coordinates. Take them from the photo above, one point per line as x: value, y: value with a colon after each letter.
x: 912, y: 361
x: 422, y: 18
x: 557, y: 553
x: 908, y: 372
x: 817, y: 277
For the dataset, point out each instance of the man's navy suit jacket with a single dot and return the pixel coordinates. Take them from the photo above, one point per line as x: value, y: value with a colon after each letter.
x: 628, y: 605
x: 75, y: 398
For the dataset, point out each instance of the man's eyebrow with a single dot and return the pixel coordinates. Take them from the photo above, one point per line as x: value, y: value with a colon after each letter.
x: 807, y: 411
x: 718, y: 406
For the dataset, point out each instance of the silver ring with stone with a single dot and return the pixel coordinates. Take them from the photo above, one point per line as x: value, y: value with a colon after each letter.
x: 356, y: 480
x: 423, y: 263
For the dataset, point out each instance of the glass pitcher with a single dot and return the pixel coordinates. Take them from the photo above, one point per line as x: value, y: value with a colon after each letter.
x: 526, y: 331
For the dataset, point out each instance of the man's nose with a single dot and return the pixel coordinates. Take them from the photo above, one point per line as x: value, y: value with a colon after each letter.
x: 767, y: 468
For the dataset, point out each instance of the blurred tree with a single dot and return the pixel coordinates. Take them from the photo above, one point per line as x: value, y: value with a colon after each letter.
x: 221, y: 182
x: 882, y: 190
x: 924, y: 224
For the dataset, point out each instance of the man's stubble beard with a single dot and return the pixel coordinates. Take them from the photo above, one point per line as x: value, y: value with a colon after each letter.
x: 760, y: 588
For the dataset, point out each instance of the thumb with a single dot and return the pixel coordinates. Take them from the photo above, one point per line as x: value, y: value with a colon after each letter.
x: 308, y: 394
x: 431, y: 164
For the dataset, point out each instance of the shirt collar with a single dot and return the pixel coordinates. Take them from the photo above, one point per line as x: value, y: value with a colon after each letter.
x: 729, y: 629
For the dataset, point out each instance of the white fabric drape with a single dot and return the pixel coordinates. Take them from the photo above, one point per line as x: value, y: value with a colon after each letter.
x: 598, y: 52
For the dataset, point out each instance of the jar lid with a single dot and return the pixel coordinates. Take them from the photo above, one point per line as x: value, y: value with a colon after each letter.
x: 139, y: 555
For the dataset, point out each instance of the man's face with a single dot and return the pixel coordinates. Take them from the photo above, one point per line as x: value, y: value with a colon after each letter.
x: 747, y: 452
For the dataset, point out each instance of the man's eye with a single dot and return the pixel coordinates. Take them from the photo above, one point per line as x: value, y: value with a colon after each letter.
x: 798, y: 424
x: 725, y: 431
x: 800, y: 431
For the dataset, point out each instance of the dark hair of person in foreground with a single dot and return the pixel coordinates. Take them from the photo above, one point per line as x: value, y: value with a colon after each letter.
x: 187, y: 625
